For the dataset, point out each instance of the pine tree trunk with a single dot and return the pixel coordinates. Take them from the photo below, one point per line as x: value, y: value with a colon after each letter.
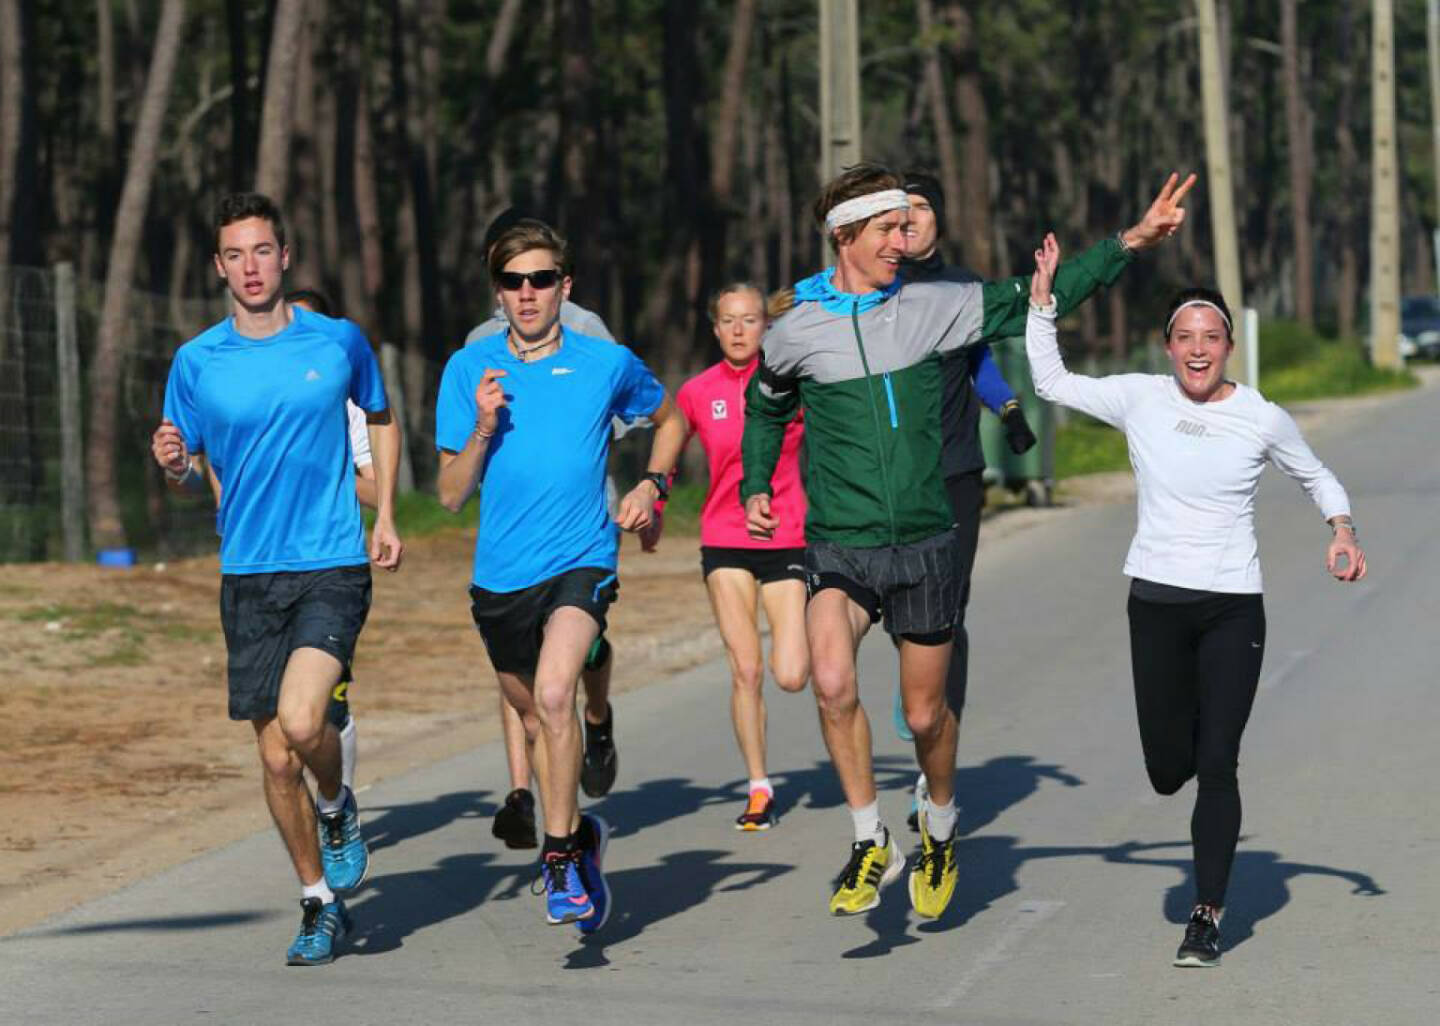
x: 941, y: 124
x: 976, y: 236
x: 1297, y: 128
x: 276, y: 118
x: 106, y: 529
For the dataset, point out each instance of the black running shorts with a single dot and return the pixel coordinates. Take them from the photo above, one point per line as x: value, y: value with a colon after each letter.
x: 268, y: 616
x: 765, y: 565
x: 512, y: 623
x: 913, y: 587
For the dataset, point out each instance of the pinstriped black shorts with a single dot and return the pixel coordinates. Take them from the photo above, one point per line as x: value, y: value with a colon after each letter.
x: 267, y: 616
x: 512, y: 623
x: 913, y: 588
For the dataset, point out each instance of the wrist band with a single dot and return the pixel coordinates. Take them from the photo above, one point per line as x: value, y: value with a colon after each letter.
x: 1348, y: 525
x: 183, y: 476
x: 483, y: 434
x: 1120, y: 238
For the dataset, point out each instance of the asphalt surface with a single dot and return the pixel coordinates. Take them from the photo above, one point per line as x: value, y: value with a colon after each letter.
x: 1075, y: 878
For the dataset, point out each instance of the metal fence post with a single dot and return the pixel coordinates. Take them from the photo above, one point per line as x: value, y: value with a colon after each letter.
x: 72, y: 449
x: 395, y: 391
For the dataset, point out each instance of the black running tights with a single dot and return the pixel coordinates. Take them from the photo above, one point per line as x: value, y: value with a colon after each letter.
x: 1196, y: 667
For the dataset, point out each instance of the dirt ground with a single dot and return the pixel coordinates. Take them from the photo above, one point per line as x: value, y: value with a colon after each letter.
x: 116, y: 754
x: 117, y: 758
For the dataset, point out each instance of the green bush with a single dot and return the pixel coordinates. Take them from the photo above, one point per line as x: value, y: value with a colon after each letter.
x: 1085, y: 446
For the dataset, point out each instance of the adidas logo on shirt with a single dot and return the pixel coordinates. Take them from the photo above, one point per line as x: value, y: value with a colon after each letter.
x: 1189, y: 427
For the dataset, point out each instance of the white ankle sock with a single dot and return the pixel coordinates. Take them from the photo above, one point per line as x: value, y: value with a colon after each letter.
x: 320, y: 890
x: 330, y: 806
x: 940, y: 819
x: 867, y: 823
x: 762, y: 784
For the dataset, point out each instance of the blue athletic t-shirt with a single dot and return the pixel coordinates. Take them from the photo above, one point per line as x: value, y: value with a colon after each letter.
x: 542, y: 507
x: 269, y: 413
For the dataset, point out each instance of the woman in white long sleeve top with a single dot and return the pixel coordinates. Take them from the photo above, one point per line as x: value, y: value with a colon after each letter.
x: 1198, y: 443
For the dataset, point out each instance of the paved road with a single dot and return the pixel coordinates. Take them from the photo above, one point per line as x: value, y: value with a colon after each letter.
x: 1075, y: 878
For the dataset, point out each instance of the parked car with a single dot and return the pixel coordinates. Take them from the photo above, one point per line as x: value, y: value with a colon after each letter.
x: 1420, y: 326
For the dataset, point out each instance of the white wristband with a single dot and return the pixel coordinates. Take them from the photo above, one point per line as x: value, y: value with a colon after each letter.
x: 183, y: 476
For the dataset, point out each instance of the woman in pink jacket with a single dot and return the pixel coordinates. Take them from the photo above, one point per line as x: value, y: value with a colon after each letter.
x: 741, y: 572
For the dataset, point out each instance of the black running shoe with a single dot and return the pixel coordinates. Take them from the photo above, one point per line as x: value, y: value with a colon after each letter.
x: 598, y: 768
x: 1201, y: 946
x: 515, y: 822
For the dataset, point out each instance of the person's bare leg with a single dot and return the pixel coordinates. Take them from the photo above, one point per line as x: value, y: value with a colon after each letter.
x: 784, y: 603
x: 922, y: 690
x: 568, y: 635
x: 288, y: 799
x: 734, y: 599
x: 836, y: 624
x: 596, y: 683
x: 517, y: 755
x: 310, y: 674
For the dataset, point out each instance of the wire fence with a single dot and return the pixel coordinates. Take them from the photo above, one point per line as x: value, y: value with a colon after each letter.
x: 48, y: 328
x: 48, y: 331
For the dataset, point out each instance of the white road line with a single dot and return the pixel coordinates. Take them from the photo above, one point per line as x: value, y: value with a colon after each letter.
x: 1288, y: 662
x: 1029, y: 915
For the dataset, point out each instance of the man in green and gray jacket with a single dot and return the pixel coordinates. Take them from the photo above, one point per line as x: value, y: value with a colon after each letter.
x: 861, y: 354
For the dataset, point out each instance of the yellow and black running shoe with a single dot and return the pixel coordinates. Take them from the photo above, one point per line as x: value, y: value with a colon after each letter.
x: 932, y: 881
x: 870, y: 868
x: 759, y: 812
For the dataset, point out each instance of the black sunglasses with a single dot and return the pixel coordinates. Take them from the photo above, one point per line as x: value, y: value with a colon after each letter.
x: 511, y: 281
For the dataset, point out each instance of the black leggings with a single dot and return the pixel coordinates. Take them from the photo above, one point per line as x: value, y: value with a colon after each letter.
x: 967, y: 501
x: 1196, y: 666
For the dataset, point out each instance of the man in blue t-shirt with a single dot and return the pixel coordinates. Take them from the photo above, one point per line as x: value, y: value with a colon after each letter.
x: 260, y: 400
x: 527, y: 411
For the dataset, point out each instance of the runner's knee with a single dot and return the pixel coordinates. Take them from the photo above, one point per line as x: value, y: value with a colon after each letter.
x: 790, y: 673
x: 1169, y: 777
x: 926, y: 718
x: 303, y: 727
x: 835, y: 689
x: 748, y: 676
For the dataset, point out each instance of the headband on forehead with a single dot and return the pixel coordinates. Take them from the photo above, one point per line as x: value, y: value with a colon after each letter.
x: 1198, y: 302
x: 861, y: 207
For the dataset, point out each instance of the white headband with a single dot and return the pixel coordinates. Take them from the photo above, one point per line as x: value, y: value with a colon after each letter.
x: 861, y: 207
x: 1198, y: 302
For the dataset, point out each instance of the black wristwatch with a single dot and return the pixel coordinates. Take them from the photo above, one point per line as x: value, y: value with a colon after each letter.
x: 660, y: 481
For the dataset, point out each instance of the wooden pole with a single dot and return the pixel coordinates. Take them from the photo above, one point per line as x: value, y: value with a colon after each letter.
x: 1432, y: 39
x: 1385, y: 200
x: 72, y: 436
x: 1221, y: 185
x: 839, y: 86
x: 395, y: 392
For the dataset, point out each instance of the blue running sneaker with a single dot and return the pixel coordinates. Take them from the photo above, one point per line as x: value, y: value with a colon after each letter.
x: 565, y: 897
x: 897, y: 715
x: 594, y: 836
x: 322, y: 927
x: 342, y: 849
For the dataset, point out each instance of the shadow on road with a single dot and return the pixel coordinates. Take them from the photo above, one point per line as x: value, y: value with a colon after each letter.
x: 396, y: 905
x: 1259, y: 884
x: 210, y: 921
x: 679, y: 882
x: 988, y: 865
x: 398, y: 823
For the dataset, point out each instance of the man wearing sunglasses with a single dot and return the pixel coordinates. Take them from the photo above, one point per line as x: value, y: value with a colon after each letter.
x: 527, y: 412
x: 515, y: 819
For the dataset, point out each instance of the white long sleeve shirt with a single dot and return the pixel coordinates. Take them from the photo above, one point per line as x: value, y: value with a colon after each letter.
x: 1197, y: 466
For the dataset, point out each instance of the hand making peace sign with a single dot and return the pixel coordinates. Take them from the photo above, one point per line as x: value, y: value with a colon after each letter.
x: 1164, y: 217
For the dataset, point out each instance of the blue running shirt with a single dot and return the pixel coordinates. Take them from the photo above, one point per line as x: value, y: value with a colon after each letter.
x: 270, y: 415
x: 542, y: 506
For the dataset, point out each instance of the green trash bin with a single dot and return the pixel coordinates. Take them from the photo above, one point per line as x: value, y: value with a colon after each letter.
x: 1031, y: 472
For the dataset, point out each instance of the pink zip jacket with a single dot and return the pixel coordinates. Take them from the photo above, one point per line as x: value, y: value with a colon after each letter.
x: 713, y: 403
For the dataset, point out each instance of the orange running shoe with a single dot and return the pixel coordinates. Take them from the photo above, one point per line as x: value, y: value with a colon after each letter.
x: 759, y: 812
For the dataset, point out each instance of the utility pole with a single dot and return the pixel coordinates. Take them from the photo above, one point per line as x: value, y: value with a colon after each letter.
x: 839, y: 86
x: 1385, y: 201
x: 1221, y: 185
x: 1432, y: 37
